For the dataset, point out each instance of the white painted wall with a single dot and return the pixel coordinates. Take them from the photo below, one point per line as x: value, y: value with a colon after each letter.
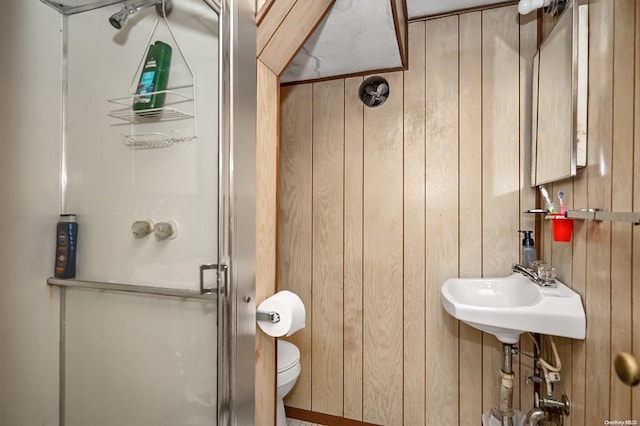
x: 30, y: 67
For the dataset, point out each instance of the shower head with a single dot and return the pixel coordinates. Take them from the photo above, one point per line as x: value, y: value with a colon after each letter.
x: 132, y: 6
x: 117, y: 19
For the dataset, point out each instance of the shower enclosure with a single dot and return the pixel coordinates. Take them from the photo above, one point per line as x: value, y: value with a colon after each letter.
x: 158, y: 325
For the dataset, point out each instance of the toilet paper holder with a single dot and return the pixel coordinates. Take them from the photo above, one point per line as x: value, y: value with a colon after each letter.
x: 273, y: 317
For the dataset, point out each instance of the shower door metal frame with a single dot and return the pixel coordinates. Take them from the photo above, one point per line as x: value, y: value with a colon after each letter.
x: 237, y: 213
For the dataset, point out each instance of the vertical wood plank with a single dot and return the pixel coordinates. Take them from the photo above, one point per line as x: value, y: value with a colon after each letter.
x: 635, y: 393
x: 266, y: 218
x: 382, y: 315
x: 295, y: 222
x: 622, y: 198
x: 441, y: 215
x: 353, y: 187
x: 500, y: 131
x: 470, y: 200
x: 327, y: 296
x: 527, y: 47
x: 414, y: 228
x: 578, y: 283
x: 501, y: 174
x: 560, y: 256
x: 528, y: 26
x: 598, y: 265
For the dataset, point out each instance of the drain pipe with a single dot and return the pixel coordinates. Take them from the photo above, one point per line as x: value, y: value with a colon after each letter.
x: 506, y: 387
x: 534, y: 417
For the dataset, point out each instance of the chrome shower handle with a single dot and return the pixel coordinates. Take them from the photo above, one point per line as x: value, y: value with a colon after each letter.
x: 220, y: 288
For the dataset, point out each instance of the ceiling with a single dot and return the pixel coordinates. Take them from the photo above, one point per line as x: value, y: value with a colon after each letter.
x: 358, y: 36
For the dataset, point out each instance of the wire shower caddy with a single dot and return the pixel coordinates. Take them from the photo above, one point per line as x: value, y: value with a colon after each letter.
x: 180, y: 104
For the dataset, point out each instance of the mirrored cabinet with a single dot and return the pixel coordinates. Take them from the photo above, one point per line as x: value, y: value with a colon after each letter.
x: 559, y: 110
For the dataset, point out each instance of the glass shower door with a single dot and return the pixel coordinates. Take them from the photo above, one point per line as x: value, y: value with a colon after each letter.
x: 138, y: 341
x: 139, y: 360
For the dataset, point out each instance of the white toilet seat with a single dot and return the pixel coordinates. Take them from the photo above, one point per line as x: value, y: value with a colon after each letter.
x: 288, y: 356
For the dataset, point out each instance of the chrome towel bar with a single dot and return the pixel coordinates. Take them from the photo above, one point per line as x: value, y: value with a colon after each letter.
x: 128, y: 288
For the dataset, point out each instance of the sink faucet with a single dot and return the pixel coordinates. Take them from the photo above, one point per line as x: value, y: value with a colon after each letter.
x: 542, y: 281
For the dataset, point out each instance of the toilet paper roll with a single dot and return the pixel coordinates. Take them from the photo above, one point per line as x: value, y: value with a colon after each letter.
x: 291, y: 310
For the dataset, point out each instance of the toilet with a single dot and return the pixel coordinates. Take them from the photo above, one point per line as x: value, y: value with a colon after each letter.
x: 288, y: 372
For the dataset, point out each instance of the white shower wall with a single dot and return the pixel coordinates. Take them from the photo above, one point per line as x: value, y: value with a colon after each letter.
x: 141, y: 360
x: 29, y: 204
x: 110, y: 185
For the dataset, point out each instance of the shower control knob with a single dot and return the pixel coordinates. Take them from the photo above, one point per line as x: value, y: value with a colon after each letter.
x: 166, y: 230
x: 142, y: 228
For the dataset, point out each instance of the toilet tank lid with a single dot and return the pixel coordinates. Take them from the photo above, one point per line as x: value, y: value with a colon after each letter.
x: 288, y: 355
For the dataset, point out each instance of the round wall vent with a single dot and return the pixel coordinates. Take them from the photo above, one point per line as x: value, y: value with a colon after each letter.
x: 374, y: 91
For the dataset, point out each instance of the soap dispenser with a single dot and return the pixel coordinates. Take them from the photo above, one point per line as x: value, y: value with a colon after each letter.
x: 529, y: 254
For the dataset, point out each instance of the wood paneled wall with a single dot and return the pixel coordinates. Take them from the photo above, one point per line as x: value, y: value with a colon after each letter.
x: 274, y: 23
x: 601, y: 262
x: 379, y: 206
x: 267, y: 86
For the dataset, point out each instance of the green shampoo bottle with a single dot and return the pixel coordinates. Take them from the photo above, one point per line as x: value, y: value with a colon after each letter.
x: 154, y: 78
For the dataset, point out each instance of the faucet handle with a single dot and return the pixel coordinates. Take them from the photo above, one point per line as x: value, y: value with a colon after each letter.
x: 545, y: 271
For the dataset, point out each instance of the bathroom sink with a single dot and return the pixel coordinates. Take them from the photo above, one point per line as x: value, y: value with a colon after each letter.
x: 509, y: 306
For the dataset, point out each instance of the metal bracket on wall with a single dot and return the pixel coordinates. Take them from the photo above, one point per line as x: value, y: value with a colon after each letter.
x: 273, y: 317
x: 601, y: 215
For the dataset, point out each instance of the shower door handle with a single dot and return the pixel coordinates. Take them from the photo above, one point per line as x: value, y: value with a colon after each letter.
x: 220, y: 288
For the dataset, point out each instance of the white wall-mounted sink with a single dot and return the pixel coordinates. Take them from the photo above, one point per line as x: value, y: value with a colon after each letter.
x: 509, y: 306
